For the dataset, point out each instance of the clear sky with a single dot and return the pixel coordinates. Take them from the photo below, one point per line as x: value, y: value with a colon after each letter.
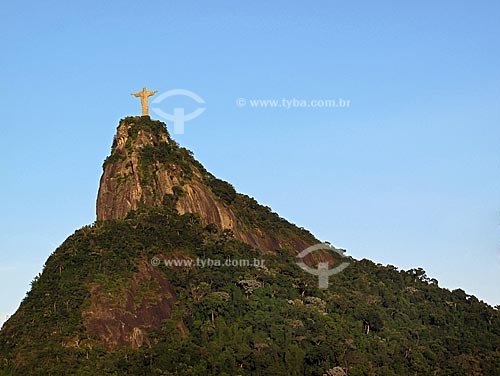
x: 408, y: 174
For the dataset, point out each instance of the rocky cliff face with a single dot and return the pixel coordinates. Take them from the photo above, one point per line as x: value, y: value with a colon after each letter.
x: 146, y: 167
x: 123, y: 186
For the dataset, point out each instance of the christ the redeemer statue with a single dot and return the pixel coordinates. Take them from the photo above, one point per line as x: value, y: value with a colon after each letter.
x: 144, y: 94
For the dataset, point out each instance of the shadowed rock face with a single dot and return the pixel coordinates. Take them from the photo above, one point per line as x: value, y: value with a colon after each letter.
x: 146, y: 164
x: 124, y: 317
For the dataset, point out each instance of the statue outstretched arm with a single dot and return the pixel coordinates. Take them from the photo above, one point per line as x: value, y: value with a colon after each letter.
x: 136, y: 94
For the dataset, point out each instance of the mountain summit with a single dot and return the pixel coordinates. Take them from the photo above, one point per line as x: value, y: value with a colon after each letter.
x: 147, y: 166
x: 182, y: 275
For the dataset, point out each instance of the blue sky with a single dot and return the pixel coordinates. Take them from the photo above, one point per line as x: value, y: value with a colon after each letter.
x: 407, y: 175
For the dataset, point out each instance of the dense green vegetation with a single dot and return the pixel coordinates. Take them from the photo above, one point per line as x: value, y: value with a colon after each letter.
x: 373, y: 320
